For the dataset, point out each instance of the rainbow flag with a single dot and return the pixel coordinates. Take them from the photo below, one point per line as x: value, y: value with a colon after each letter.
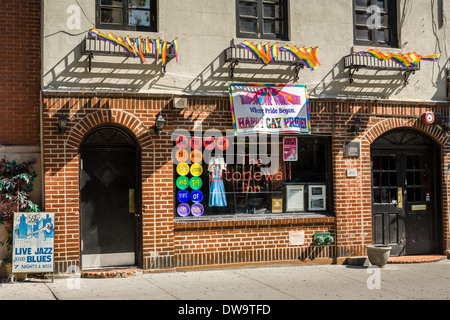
x: 156, y: 49
x: 164, y: 52
x: 175, y: 48
x: 274, y: 52
x: 147, y: 45
x: 307, y: 55
x: 264, y: 54
x: 140, y: 49
x: 98, y: 34
x: 410, y: 59
x: 377, y: 54
x: 434, y: 57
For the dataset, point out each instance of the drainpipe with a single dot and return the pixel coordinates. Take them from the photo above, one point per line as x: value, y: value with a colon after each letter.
x: 41, y: 137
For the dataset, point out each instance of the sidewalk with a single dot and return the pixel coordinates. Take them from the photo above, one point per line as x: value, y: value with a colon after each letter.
x: 417, y: 281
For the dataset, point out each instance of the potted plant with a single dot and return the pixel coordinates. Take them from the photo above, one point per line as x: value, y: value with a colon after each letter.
x: 16, y: 182
x: 378, y: 254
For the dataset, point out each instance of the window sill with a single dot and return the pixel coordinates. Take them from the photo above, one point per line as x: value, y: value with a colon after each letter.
x: 253, y: 220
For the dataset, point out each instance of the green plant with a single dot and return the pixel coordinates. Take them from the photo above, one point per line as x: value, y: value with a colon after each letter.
x: 16, y: 182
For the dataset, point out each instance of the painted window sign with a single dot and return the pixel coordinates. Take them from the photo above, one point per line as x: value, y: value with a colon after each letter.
x: 197, y: 196
x: 196, y: 170
x: 197, y: 209
x: 270, y: 108
x: 183, y: 210
x: 183, y: 169
x: 181, y: 155
x: 181, y: 142
x: 209, y: 143
x: 196, y: 156
x: 196, y: 143
x: 196, y: 183
x: 182, y: 183
x: 33, y: 242
x: 183, y: 196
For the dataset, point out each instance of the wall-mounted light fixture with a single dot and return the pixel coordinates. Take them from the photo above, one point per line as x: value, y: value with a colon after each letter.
x: 354, y: 129
x: 62, y: 123
x: 158, y: 126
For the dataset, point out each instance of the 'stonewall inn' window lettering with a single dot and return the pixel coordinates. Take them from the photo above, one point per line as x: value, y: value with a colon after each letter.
x: 255, y: 174
x: 127, y: 14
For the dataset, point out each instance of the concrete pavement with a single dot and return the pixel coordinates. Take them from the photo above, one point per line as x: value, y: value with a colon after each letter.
x: 418, y: 281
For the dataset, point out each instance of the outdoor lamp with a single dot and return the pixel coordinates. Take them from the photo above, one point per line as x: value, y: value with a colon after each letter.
x: 158, y: 126
x: 62, y: 123
x: 356, y: 127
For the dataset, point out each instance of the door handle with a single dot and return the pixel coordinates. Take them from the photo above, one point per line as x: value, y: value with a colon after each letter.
x: 400, y: 198
x: 131, y: 202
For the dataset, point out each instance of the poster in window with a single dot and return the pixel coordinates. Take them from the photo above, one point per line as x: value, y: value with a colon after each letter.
x: 294, y: 198
x: 277, y: 205
x: 290, y: 152
x: 317, y: 197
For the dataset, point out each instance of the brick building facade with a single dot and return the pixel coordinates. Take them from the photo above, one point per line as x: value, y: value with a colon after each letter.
x: 380, y: 171
x: 168, y: 242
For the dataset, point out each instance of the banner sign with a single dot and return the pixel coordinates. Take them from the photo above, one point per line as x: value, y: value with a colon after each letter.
x: 270, y: 108
x: 33, y: 242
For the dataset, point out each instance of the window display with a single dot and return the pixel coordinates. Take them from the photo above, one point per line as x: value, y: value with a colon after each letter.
x: 247, y: 175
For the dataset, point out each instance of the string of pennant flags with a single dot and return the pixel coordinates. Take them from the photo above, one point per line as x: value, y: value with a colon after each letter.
x: 140, y: 46
x: 406, y: 60
x: 267, y: 53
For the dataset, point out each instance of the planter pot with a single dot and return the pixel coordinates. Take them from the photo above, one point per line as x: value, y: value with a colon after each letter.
x: 378, y: 254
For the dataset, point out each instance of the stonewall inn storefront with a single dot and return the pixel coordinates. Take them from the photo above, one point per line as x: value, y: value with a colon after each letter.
x: 264, y: 175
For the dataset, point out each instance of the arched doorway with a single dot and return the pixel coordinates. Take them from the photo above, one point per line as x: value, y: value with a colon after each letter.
x: 110, y: 193
x: 405, y: 192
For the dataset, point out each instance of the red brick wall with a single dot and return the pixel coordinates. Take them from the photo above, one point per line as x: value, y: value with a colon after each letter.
x: 168, y: 242
x: 20, y: 72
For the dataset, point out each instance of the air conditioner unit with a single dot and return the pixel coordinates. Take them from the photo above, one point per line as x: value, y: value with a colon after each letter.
x: 180, y: 103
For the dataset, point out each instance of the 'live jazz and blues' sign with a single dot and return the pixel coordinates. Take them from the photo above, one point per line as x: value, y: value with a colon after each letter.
x: 33, y: 242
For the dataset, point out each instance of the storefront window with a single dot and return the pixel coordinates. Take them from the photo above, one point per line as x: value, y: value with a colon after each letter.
x: 251, y: 175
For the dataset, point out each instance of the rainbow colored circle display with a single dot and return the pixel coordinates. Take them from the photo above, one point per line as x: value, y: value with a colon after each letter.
x: 182, y: 183
x: 196, y: 183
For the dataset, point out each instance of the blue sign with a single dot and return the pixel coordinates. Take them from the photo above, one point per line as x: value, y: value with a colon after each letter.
x: 197, y: 196
x: 183, y: 196
x: 33, y: 242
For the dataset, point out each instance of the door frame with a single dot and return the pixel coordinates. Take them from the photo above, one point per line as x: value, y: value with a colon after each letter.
x: 435, y: 182
x: 134, y: 144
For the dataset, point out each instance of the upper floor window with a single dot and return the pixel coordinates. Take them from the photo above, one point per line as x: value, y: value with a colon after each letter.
x: 262, y: 19
x: 139, y: 15
x: 375, y: 22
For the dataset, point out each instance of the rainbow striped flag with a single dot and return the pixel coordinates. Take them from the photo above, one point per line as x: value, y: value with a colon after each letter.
x: 140, y: 49
x: 164, y: 52
x: 434, y: 57
x: 156, y: 48
x: 147, y: 45
x: 307, y: 55
x: 264, y: 54
x: 175, y: 48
